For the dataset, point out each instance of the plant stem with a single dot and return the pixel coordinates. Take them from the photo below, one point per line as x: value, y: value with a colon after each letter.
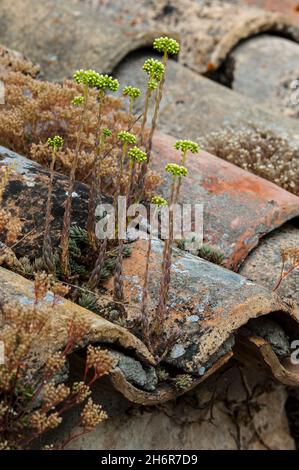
x: 145, y: 113
x: 166, y: 266
x: 130, y: 187
x: 149, y: 145
x: 131, y: 111
x: 118, y: 290
x: 144, y: 304
x: 48, y: 256
x: 96, y: 273
x: 183, y: 161
x: 283, y: 275
x: 120, y: 173
x: 93, y: 186
x: 156, y: 111
x: 65, y: 234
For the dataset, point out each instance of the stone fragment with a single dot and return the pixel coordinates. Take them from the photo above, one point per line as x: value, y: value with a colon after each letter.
x: 73, y: 34
x: 194, y: 106
x: 266, y: 69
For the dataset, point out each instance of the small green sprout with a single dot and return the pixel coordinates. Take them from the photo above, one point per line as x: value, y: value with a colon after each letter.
x: 78, y: 100
x: 166, y: 45
x: 126, y: 137
x: 159, y: 201
x: 154, y: 68
x: 183, y: 381
x: 137, y: 155
x: 106, y: 132
x: 185, y: 145
x: 55, y: 142
x: 132, y: 92
x: 176, y: 170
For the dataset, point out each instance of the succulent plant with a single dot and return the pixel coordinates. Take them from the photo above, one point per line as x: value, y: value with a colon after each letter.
x: 55, y: 142
x: 78, y: 100
x: 159, y: 201
x: 176, y: 170
x: 131, y: 91
x: 166, y: 45
x: 137, y: 155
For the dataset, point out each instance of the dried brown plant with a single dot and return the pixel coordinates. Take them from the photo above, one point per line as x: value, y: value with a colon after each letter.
x: 10, y: 223
x: 16, y: 62
x: 34, y: 400
x: 259, y: 151
x: 290, y: 262
x: 35, y: 110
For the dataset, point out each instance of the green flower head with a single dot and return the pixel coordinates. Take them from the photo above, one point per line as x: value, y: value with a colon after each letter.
x: 127, y: 137
x: 137, y: 155
x: 176, y: 170
x: 78, y: 100
x: 152, y: 84
x: 131, y: 91
x: 55, y: 142
x: 93, y: 79
x: 105, y: 82
x: 159, y: 201
x: 185, y: 145
x: 168, y: 45
x: 154, y: 68
x: 87, y: 77
x: 106, y: 132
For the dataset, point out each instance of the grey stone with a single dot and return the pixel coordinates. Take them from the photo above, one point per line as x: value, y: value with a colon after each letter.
x: 69, y: 34
x: 135, y: 373
x: 194, y: 106
x: 223, y: 414
x: 263, y: 68
x: 267, y: 253
x: 273, y: 333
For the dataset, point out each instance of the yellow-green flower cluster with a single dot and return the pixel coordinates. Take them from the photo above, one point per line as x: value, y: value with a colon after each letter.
x: 159, y: 201
x: 154, y: 68
x: 137, y: 155
x: 105, y: 82
x: 185, y: 145
x: 55, y: 142
x: 126, y: 137
x: 106, y: 132
x: 78, y: 100
x: 152, y: 84
x: 93, y: 79
x: 176, y: 170
x: 131, y: 91
x: 86, y: 76
x: 166, y: 45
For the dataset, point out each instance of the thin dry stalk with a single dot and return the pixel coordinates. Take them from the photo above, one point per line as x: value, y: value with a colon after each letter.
x: 96, y: 273
x: 65, y: 234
